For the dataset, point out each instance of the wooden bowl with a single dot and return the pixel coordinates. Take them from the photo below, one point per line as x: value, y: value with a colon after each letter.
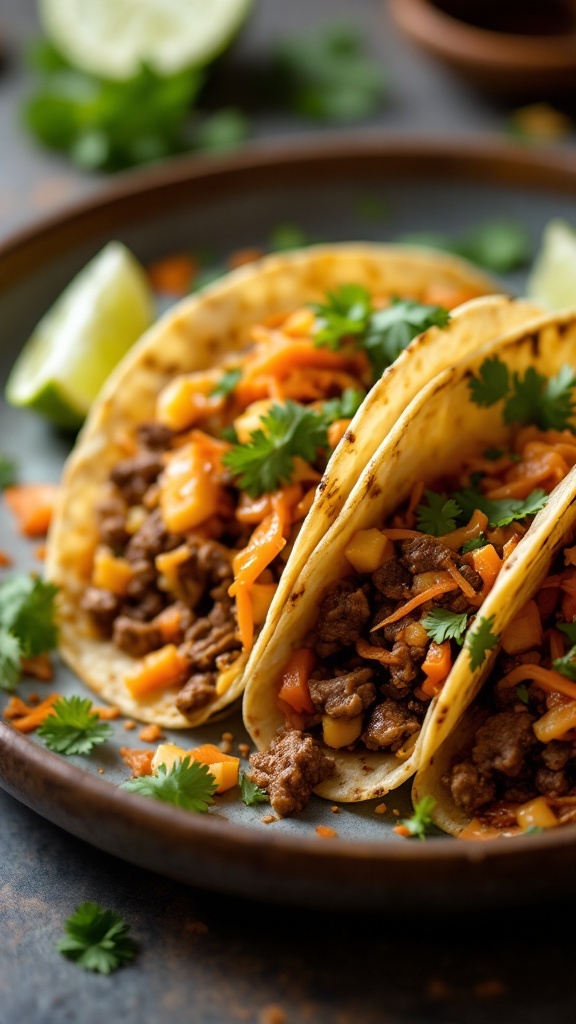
x: 508, y: 47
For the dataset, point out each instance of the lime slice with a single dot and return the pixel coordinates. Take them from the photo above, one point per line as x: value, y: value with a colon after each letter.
x: 553, y: 278
x: 82, y: 337
x: 112, y: 38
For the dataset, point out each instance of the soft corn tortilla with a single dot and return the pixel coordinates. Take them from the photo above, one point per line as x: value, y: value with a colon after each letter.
x: 438, y: 429
x: 201, y: 332
x: 530, y: 567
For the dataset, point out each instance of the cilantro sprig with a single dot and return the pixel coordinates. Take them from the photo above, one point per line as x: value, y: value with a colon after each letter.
x: 8, y: 472
x: 480, y: 640
x: 548, y: 402
x: 250, y: 793
x: 382, y: 333
x: 501, y: 511
x: 438, y: 516
x: 97, y: 939
x: 27, y: 623
x: 267, y: 460
x: 420, y: 822
x: 345, y: 407
x: 441, y: 625
x: 188, y: 784
x: 73, y: 727
x: 227, y: 383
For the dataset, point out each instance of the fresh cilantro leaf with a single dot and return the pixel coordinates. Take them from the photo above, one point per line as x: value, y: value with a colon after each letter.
x: 251, y: 793
x: 556, y: 405
x: 569, y: 628
x: 491, y: 384
x: 566, y: 665
x: 500, y: 512
x: 420, y: 822
x: 522, y: 693
x: 480, y: 640
x: 222, y: 130
x: 326, y: 76
x: 8, y: 472
x: 345, y: 407
x: 107, y: 124
x: 10, y: 654
x: 474, y: 544
x: 227, y: 382
x: 441, y: 625
x: 267, y: 460
x: 500, y: 246
x: 533, y: 830
x: 346, y: 312
x: 391, y: 330
x: 188, y: 784
x: 288, y: 236
x: 438, y: 516
x: 97, y: 939
x: 27, y: 611
x: 522, y: 404
x: 73, y: 728
x: 229, y: 434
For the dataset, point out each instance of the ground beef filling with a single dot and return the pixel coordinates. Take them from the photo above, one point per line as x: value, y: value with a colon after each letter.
x: 346, y: 684
x: 206, y: 630
x: 290, y: 769
x: 507, y: 765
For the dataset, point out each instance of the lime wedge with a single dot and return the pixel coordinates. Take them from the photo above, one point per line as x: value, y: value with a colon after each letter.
x: 112, y: 38
x: 552, y: 281
x: 82, y: 337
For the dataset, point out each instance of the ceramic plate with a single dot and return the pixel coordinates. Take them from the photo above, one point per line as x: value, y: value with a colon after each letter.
x: 346, y: 190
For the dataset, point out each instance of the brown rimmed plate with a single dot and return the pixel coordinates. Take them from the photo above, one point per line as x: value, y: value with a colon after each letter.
x: 346, y: 189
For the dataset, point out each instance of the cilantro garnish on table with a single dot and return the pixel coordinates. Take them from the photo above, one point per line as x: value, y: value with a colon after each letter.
x: 548, y: 402
x: 97, y: 939
x: 421, y: 821
x: 267, y: 460
x: 441, y: 625
x: 73, y: 727
x: 188, y: 784
x: 27, y: 623
x: 480, y: 640
x: 499, y: 246
x: 250, y: 793
x: 382, y: 333
x: 8, y: 472
x: 343, y: 408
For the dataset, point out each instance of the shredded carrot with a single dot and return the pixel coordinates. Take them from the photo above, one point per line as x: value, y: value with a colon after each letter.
x: 436, y: 666
x: 545, y: 678
x: 294, y: 689
x: 466, y: 588
x: 173, y: 275
x: 488, y: 563
x: 336, y: 431
x: 304, y: 505
x: 33, y: 506
x: 37, y: 715
x: 16, y: 708
x: 401, y: 534
x: 365, y: 650
x: 209, y: 753
x: 39, y: 667
x: 245, y: 613
x: 426, y: 595
x: 265, y: 543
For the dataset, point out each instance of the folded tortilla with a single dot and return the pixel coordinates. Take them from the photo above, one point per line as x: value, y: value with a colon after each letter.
x: 206, y: 330
x: 436, y: 432
x: 483, y: 811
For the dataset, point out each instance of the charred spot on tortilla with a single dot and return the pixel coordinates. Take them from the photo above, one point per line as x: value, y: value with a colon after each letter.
x: 350, y: 436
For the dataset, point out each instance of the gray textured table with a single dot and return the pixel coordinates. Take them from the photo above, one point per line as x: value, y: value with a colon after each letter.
x: 205, y: 958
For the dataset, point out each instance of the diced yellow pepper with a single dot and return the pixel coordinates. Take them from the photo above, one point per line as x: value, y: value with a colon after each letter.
x: 227, y: 677
x: 536, y: 812
x: 135, y: 518
x: 156, y: 671
x: 340, y: 732
x: 188, y: 399
x: 225, y: 773
x: 111, y: 573
x: 251, y: 419
x: 368, y: 549
x: 167, y: 565
x: 168, y: 754
x: 189, y: 493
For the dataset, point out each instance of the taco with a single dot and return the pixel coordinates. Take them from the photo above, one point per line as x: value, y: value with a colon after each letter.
x: 392, y: 618
x: 509, y: 763
x: 200, y: 461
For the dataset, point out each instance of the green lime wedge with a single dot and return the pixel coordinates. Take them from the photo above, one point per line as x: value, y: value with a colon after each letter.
x: 552, y: 281
x: 112, y: 38
x: 82, y: 337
